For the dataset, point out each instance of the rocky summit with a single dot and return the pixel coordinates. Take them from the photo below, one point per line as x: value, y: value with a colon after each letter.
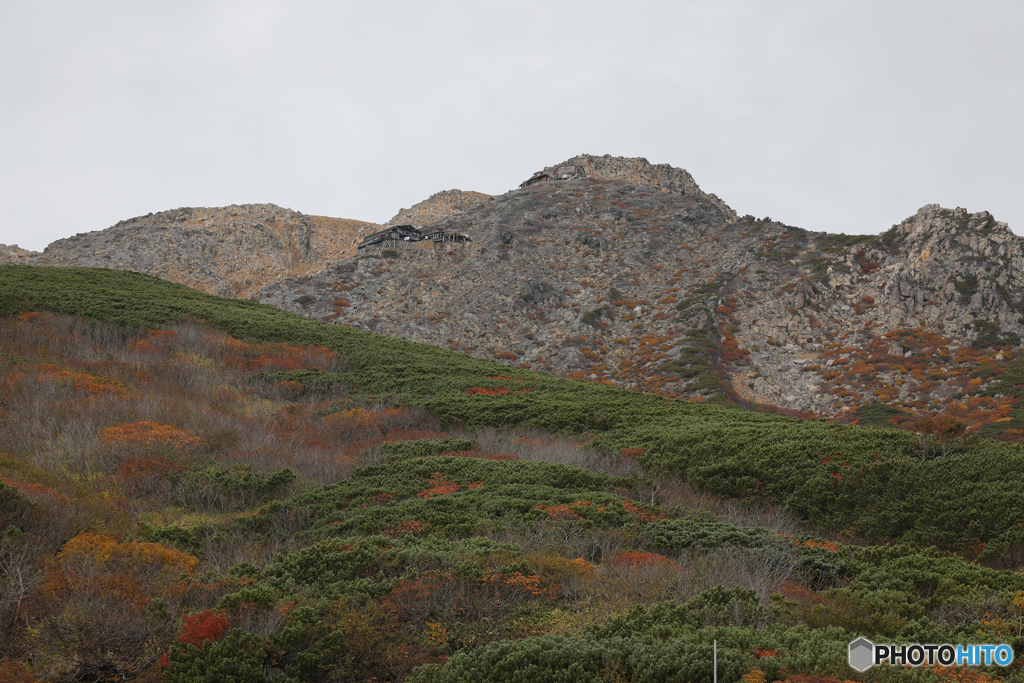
x: 230, y: 251
x: 633, y: 275
x: 438, y: 207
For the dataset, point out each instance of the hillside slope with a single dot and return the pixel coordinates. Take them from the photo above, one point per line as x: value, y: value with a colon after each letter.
x: 196, y: 488
x: 869, y: 483
x: 636, y: 277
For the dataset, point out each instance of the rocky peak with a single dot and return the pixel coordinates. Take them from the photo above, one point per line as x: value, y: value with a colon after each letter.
x: 437, y: 207
x: 953, y: 261
x: 12, y: 253
x: 642, y: 173
x: 230, y: 251
x: 634, y: 276
x: 932, y: 222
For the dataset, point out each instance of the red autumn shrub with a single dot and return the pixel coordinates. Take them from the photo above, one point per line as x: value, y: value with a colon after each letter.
x: 439, y: 487
x: 644, y: 515
x: 208, y: 625
x: 558, y: 511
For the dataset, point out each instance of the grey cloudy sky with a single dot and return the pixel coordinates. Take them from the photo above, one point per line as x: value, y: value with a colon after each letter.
x: 844, y: 117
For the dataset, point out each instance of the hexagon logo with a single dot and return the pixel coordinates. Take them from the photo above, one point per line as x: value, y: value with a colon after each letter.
x: 862, y: 654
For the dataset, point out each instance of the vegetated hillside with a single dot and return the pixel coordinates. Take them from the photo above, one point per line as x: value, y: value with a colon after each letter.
x: 205, y: 489
x: 861, y: 482
x: 231, y: 251
x: 635, y: 277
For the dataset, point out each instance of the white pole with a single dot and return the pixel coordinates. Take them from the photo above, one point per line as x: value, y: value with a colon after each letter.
x: 715, y: 653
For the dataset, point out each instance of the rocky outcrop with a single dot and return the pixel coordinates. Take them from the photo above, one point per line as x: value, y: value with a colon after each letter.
x: 957, y: 276
x: 954, y: 265
x: 640, y: 172
x: 10, y: 254
x: 229, y: 251
x: 554, y: 271
x: 438, y: 207
x: 634, y: 276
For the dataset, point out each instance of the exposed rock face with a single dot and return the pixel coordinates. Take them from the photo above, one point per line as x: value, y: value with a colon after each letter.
x: 944, y: 271
x: 438, y: 207
x: 14, y: 254
x: 637, y: 277
x: 229, y: 251
x: 642, y: 173
x: 941, y: 249
x: 554, y: 272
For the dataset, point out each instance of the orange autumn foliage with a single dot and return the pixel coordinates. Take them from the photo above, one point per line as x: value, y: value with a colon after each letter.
x: 639, y: 559
x: 581, y: 565
x: 149, y: 435
x: 800, y: 594
x: 529, y: 584
x: 962, y: 674
x: 355, y: 416
x: 558, y: 511
x: 91, y: 385
x: 439, y: 487
x: 274, y: 357
x: 137, y: 558
x: 753, y: 676
x: 827, y: 545
x: 482, y: 391
x: 644, y: 515
x: 62, y: 587
x: 384, y: 420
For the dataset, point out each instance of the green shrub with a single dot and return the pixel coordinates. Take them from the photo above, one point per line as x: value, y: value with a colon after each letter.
x: 405, y: 450
x: 237, y: 658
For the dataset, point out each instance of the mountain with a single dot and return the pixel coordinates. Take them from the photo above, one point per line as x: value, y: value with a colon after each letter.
x: 196, y: 488
x: 634, y: 276
x: 231, y: 251
x: 200, y: 488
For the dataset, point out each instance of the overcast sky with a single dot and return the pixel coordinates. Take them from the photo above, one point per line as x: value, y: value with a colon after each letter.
x: 842, y: 117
